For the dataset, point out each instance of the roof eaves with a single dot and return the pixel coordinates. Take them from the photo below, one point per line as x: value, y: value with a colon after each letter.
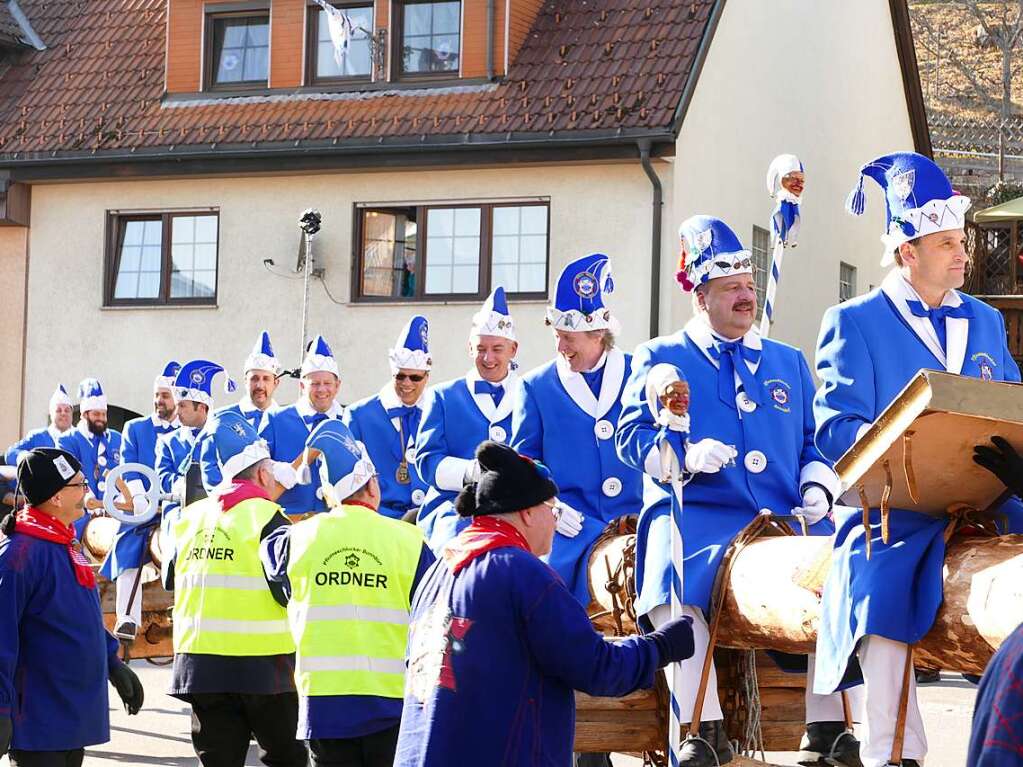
x: 694, y: 74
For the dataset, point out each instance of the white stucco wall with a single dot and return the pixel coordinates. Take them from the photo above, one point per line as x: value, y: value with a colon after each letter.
x: 593, y: 208
x: 818, y: 79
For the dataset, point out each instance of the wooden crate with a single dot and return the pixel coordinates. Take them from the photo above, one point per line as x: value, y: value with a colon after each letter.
x: 783, y: 707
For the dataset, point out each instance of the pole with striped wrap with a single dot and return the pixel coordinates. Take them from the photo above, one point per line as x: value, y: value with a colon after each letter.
x: 667, y: 395
x: 785, y: 180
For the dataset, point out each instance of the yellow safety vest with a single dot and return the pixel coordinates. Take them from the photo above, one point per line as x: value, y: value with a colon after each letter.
x: 351, y: 570
x: 222, y: 604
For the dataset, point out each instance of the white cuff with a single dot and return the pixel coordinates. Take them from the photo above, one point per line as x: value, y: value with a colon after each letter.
x: 21, y: 456
x: 652, y: 464
x: 823, y: 475
x: 450, y: 473
x: 137, y: 487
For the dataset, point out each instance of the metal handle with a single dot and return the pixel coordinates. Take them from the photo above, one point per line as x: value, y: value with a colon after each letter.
x: 153, y: 494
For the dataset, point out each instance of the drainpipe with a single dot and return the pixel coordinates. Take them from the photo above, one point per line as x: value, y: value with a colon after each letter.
x: 490, y: 40
x: 655, y: 238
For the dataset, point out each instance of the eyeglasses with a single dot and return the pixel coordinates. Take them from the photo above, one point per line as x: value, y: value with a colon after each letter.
x: 413, y: 377
x: 83, y: 483
x: 555, y: 509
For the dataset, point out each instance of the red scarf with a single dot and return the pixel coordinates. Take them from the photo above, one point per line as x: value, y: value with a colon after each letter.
x: 237, y: 491
x: 484, y: 534
x: 34, y: 523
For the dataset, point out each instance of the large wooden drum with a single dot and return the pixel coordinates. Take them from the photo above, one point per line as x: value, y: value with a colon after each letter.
x: 98, y: 537
x: 612, y: 567
x: 636, y: 723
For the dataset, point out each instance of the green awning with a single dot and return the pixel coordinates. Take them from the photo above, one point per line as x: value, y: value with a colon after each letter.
x: 1007, y: 211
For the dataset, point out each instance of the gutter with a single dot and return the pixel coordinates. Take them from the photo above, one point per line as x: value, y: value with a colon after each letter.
x: 655, y: 237
x: 490, y: 39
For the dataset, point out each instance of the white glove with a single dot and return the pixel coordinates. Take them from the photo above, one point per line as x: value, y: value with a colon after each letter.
x: 286, y: 475
x: 708, y: 456
x: 815, y: 505
x: 570, y: 523
x: 140, y: 504
x: 472, y: 472
x: 178, y: 489
x: 303, y: 475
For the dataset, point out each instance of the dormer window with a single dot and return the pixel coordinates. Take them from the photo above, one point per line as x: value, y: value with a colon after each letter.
x: 239, y: 50
x: 354, y: 63
x: 429, y: 39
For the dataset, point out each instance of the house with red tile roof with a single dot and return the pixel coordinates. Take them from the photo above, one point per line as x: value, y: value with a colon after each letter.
x: 156, y: 155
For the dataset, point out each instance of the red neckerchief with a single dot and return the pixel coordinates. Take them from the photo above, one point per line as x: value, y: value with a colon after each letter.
x: 35, y: 524
x: 359, y: 503
x: 239, y: 490
x: 484, y: 534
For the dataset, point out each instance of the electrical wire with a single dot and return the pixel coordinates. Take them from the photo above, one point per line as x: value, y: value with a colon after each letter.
x: 329, y: 294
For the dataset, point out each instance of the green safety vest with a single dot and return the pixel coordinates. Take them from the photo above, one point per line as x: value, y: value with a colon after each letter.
x: 222, y: 604
x: 351, y: 571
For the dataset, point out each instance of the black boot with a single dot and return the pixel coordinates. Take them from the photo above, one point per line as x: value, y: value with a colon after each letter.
x: 910, y: 763
x: 829, y: 743
x: 695, y: 751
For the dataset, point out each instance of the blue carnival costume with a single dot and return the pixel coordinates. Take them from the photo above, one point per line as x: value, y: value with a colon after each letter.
x: 457, y: 416
x: 388, y: 427
x: 567, y: 420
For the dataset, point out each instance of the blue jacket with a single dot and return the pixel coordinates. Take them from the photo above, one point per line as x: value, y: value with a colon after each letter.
x: 495, y: 653
x: 46, y: 437
x: 776, y: 457
x: 381, y: 435
x: 97, y: 455
x: 868, y: 350
x: 285, y: 433
x: 55, y: 654
x: 129, y: 550
x: 249, y: 412
x: 455, y: 421
x: 560, y: 422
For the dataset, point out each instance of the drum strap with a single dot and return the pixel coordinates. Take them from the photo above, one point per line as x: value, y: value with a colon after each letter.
x: 900, y: 722
x: 757, y: 527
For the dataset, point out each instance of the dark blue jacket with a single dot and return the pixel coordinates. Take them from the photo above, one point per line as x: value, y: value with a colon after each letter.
x: 55, y: 654
x: 495, y: 654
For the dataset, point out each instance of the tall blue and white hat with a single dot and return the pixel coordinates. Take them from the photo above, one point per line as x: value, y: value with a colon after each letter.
x: 166, y: 379
x: 345, y: 465
x: 91, y: 396
x: 59, y: 397
x: 412, y: 349
x: 195, y: 380
x: 710, y: 249
x: 780, y: 167
x: 262, y: 356
x: 493, y: 318
x: 236, y: 443
x: 579, y: 300
x: 319, y: 359
x: 918, y: 196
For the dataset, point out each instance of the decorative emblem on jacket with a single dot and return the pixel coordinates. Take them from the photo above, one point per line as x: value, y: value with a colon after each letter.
x: 436, y: 638
x: 584, y: 285
x: 780, y: 393
x: 238, y: 429
x: 986, y: 364
x: 902, y: 184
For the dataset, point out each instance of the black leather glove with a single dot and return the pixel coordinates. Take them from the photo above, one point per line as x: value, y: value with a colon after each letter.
x: 674, y: 640
x: 6, y: 731
x: 128, y: 687
x: 1003, y: 461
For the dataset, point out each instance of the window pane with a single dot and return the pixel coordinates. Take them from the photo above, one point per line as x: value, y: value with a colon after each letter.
x: 430, y: 40
x: 241, y: 49
x: 193, y: 264
x: 453, y: 250
x: 467, y: 250
x: 441, y: 250
x: 438, y: 279
x: 138, y: 274
x: 761, y: 252
x: 389, y: 253
x: 466, y: 279
x: 440, y: 222
x: 467, y: 221
x: 519, y: 248
x: 356, y: 59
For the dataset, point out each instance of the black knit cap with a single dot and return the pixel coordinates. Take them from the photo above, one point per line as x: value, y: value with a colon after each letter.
x: 508, y: 482
x: 44, y: 472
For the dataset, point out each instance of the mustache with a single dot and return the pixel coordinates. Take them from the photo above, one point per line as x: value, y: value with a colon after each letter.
x: 742, y: 305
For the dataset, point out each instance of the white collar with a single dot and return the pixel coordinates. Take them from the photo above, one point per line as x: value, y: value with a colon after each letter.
x: 160, y: 423
x: 305, y: 409
x: 580, y: 392
x: 389, y: 397
x: 485, y: 403
x: 83, y: 429
x: 700, y: 332
x: 56, y: 434
x: 900, y: 291
x: 246, y: 406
